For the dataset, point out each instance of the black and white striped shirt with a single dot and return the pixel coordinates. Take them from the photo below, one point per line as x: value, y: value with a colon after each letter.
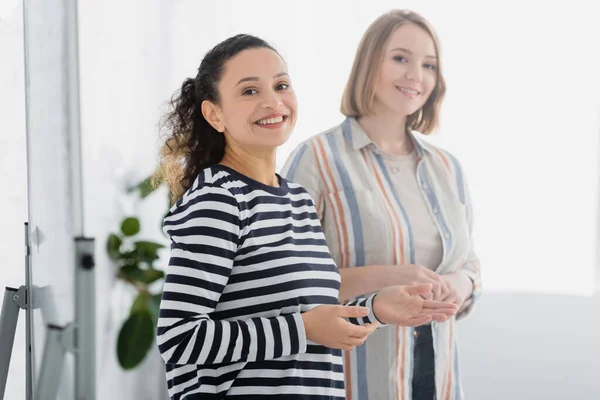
x: 246, y: 260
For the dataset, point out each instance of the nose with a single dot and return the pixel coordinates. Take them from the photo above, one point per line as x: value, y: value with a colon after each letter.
x: 272, y: 100
x: 414, y: 73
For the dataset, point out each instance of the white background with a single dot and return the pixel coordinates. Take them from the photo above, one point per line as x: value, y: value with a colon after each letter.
x: 521, y: 114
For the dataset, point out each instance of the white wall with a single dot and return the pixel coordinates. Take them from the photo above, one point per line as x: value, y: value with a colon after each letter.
x: 123, y: 61
x: 529, y: 346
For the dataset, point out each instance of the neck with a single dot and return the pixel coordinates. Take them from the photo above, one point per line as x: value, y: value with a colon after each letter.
x: 388, y: 132
x: 257, y: 166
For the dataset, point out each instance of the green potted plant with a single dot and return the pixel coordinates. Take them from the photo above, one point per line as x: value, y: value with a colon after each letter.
x: 134, y: 259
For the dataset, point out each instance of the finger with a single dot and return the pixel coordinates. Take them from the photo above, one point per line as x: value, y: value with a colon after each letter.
x: 447, y: 298
x: 437, y: 290
x: 368, y: 329
x: 439, y: 317
x: 429, y: 273
x: 446, y: 289
x: 372, y: 327
x: 428, y: 296
x: 452, y: 298
x: 437, y: 305
x: 353, y: 342
x: 442, y: 290
x: 360, y: 336
x: 417, y: 290
x: 438, y: 279
x: 446, y: 312
x: 358, y: 331
x: 418, y: 321
x: 352, y: 311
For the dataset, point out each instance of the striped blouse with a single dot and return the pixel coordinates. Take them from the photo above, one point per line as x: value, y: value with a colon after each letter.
x: 246, y: 260
x: 365, y: 223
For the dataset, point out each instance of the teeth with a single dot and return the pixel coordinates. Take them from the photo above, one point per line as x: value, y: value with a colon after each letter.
x: 409, y: 91
x: 270, y: 121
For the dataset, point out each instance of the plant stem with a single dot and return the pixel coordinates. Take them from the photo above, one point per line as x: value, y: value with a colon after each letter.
x: 137, y: 285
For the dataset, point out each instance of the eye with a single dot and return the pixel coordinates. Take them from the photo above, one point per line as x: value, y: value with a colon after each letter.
x: 431, y: 67
x: 399, y: 58
x: 282, y: 86
x: 249, y: 92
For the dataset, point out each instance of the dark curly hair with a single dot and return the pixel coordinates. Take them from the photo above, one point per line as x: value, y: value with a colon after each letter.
x: 191, y: 143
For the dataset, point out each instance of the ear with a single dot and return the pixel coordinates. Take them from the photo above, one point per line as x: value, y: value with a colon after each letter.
x: 212, y: 114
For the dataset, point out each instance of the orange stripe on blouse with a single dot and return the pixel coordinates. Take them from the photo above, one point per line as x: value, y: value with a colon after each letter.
x: 445, y: 160
x: 448, y: 385
x: 340, y: 208
x: 340, y: 233
x: 399, y: 363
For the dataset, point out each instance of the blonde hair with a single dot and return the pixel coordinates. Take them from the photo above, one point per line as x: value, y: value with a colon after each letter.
x: 359, y: 94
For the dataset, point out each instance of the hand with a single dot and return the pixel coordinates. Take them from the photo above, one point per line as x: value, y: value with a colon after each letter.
x: 460, y: 288
x: 405, y: 306
x: 413, y: 274
x: 326, y: 325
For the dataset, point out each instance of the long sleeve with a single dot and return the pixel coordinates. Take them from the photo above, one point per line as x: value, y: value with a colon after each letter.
x: 365, y: 302
x: 205, y: 233
x: 470, y: 268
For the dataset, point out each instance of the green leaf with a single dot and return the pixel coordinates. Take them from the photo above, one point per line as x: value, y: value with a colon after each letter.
x: 128, y: 263
x: 113, y: 245
x: 145, y: 276
x: 141, y: 303
x: 150, y: 247
x: 152, y: 275
x: 133, y: 273
x: 126, y: 255
x: 130, y: 226
x: 135, y: 339
x: 154, y: 306
x: 148, y: 251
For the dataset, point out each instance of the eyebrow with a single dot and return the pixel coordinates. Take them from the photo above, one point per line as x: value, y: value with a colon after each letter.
x: 410, y: 52
x: 255, y: 78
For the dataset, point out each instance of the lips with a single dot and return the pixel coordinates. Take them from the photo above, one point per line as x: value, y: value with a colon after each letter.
x: 412, y: 93
x: 271, y: 120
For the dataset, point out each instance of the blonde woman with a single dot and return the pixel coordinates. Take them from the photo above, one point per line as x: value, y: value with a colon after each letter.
x: 396, y: 206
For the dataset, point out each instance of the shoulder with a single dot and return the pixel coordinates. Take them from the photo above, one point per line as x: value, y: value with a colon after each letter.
x: 211, y: 190
x: 317, y: 140
x: 302, y: 161
x: 212, y: 180
x: 325, y: 138
x: 438, y: 154
x: 297, y: 191
x: 207, y: 208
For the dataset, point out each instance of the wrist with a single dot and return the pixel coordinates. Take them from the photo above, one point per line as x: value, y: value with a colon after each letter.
x: 384, y: 273
x: 305, y: 317
x: 462, y: 284
x: 395, y: 275
x: 372, y: 317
